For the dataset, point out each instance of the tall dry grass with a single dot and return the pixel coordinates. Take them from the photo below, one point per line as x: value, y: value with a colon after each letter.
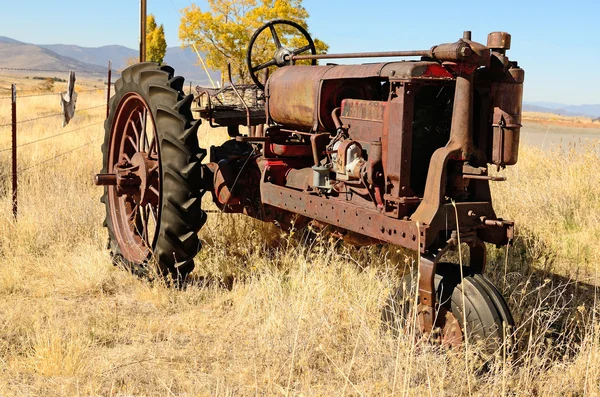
x: 273, y: 314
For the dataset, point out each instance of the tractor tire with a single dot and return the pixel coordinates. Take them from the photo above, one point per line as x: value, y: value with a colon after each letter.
x: 177, y: 214
x: 489, y: 323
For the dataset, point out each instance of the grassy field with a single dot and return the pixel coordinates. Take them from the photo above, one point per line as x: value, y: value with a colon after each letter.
x: 277, y: 316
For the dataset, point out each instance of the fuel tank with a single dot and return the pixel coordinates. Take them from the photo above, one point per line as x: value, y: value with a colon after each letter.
x: 303, y: 97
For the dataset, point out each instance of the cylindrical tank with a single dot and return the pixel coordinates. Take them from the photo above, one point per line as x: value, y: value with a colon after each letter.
x: 507, y: 102
x: 303, y: 97
x: 293, y: 95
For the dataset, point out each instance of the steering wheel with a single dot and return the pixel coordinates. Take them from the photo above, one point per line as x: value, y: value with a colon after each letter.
x: 281, y: 55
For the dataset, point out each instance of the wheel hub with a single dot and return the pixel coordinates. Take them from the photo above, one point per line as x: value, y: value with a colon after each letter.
x: 135, y: 178
x: 281, y: 57
x: 446, y: 331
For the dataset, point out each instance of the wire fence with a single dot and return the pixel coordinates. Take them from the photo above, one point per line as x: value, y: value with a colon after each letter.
x: 50, y: 115
x: 15, y: 125
x: 102, y: 71
x: 53, y: 136
x: 20, y: 171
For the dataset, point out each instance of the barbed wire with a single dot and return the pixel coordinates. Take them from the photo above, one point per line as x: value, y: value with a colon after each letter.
x: 56, y: 157
x: 55, y: 93
x: 53, y: 136
x: 51, y: 93
x: 50, y: 115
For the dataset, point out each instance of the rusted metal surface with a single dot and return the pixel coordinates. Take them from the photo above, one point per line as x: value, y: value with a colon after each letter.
x: 134, y: 183
x: 498, y: 41
x: 342, y: 214
x: 380, y: 54
x: 426, y: 294
x: 393, y: 152
x: 448, y: 52
x: 507, y: 102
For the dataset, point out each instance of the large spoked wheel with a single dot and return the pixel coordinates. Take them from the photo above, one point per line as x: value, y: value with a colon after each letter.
x: 489, y: 323
x: 281, y: 55
x: 153, y: 172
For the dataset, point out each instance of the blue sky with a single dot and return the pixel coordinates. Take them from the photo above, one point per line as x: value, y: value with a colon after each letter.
x: 556, y: 42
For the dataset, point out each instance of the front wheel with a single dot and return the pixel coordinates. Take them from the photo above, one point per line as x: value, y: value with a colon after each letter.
x: 153, y: 171
x: 489, y: 323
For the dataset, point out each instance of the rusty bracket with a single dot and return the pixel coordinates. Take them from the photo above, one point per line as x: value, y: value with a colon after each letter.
x: 426, y: 295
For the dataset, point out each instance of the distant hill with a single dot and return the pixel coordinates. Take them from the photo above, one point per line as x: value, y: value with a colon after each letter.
x: 16, y: 54
x: 95, y: 55
x: 562, y: 109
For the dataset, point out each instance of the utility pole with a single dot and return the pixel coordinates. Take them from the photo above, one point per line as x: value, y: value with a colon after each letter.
x: 143, y: 12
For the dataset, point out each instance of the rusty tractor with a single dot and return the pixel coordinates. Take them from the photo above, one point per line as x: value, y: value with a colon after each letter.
x: 387, y: 152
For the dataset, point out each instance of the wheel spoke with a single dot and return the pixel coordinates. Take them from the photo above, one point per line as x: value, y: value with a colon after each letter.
x: 133, y: 214
x: 301, y: 50
x: 133, y: 143
x: 264, y: 65
x: 152, y: 147
x: 137, y: 135
x: 144, y: 216
x: 154, y: 190
x: 143, y: 120
x: 275, y: 37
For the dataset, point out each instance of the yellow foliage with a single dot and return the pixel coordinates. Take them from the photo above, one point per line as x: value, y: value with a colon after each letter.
x: 156, y: 45
x: 224, y: 31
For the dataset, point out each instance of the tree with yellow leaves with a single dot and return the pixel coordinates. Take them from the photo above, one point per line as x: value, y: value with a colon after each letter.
x: 224, y: 31
x: 156, y: 45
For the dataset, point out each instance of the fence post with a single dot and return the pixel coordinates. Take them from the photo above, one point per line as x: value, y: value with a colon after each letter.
x: 14, y: 148
x: 108, y: 89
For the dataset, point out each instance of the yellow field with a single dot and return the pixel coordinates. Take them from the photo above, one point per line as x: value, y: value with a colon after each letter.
x: 275, y: 316
x: 555, y: 119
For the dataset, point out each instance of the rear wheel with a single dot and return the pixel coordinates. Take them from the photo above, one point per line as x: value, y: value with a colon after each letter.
x: 489, y: 322
x: 152, y: 158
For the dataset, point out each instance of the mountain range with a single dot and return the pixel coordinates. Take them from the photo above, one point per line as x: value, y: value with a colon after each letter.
x: 63, y: 57
x: 562, y: 109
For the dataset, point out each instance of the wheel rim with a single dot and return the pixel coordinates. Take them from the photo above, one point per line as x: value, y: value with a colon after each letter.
x: 134, y: 156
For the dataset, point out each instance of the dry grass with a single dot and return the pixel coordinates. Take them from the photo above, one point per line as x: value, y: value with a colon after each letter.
x: 556, y: 119
x: 298, y: 318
